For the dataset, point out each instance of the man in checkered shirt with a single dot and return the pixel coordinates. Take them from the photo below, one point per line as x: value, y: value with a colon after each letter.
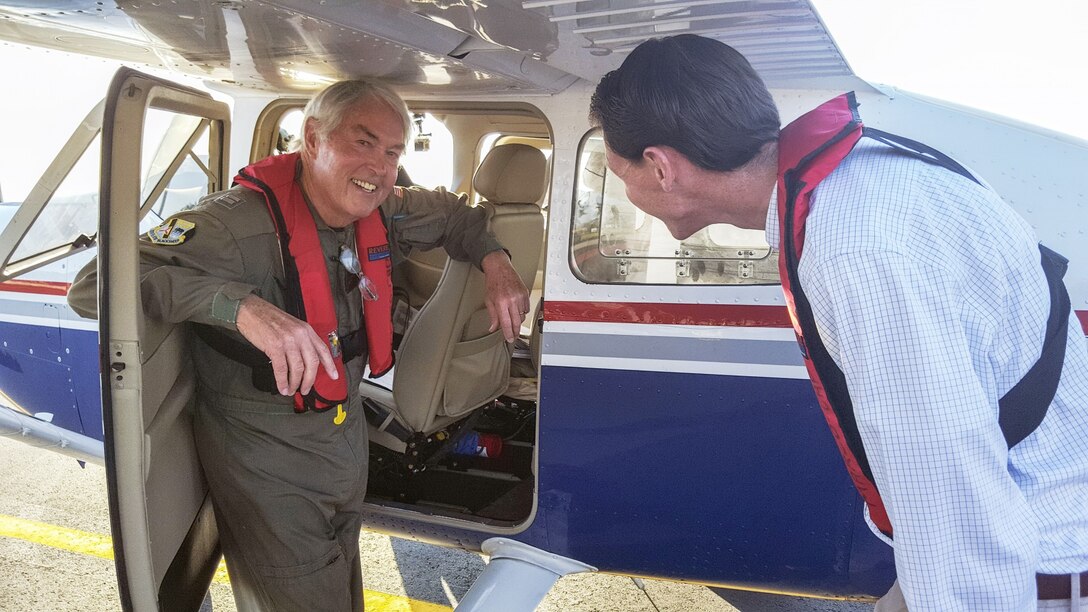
x: 925, y: 350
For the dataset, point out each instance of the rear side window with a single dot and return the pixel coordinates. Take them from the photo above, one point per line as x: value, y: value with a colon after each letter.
x: 614, y: 242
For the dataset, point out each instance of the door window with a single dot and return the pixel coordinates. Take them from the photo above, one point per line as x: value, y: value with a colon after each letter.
x: 173, y: 170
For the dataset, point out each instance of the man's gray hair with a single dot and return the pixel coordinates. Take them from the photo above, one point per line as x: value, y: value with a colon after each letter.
x: 329, y: 106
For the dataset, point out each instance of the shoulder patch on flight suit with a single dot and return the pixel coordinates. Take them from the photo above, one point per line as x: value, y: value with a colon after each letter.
x: 172, y: 232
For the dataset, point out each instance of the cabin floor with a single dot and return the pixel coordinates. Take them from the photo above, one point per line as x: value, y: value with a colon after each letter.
x: 479, y: 468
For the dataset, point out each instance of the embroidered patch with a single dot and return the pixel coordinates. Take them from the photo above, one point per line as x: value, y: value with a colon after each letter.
x: 172, y: 232
x: 375, y: 253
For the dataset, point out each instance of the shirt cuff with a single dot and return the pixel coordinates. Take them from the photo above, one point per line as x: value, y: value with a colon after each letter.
x: 489, y: 245
x: 227, y: 300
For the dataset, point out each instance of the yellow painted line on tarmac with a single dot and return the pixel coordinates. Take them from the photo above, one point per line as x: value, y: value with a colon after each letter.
x: 384, y: 602
x: 56, y: 537
x: 94, y: 545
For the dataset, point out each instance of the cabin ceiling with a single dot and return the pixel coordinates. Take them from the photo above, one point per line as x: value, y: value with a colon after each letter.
x: 422, y: 47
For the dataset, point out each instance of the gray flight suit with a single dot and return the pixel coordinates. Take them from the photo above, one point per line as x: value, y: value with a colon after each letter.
x: 287, y: 488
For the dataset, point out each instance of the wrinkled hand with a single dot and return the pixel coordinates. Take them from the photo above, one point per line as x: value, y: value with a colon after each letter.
x: 507, y: 297
x: 291, y: 345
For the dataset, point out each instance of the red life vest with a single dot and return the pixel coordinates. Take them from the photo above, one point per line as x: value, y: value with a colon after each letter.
x: 809, y: 149
x: 308, y: 292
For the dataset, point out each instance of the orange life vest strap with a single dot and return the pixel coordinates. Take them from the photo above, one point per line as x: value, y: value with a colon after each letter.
x: 309, y: 292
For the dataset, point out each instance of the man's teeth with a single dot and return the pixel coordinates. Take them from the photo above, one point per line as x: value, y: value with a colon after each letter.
x: 365, y: 185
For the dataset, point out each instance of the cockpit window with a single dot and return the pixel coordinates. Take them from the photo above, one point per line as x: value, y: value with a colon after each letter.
x: 615, y: 242
x: 428, y: 159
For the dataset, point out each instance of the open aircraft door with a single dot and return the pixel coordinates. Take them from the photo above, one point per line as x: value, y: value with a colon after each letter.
x: 163, y: 147
x: 165, y: 541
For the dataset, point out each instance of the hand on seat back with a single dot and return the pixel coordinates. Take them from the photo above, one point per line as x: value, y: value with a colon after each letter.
x: 507, y: 297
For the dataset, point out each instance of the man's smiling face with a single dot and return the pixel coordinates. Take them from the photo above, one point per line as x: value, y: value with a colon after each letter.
x: 349, y: 172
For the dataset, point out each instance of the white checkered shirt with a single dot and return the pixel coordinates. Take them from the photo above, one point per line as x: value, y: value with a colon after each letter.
x: 928, y: 294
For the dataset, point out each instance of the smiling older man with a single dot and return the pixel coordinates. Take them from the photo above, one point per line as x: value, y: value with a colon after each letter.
x: 287, y: 276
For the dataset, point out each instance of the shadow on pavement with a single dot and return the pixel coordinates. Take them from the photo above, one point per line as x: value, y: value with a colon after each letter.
x: 427, y: 571
x: 747, y: 601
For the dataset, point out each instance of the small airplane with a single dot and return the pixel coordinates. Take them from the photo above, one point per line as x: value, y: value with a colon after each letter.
x: 656, y: 421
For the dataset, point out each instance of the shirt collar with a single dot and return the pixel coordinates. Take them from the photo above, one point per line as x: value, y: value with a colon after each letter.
x: 773, y: 238
x: 318, y: 221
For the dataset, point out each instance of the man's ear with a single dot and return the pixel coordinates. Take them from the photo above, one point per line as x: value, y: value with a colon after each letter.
x: 664, y: 163
x: 309, y: 135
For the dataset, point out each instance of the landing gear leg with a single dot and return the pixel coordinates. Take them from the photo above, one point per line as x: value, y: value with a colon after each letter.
x: 517, y: 578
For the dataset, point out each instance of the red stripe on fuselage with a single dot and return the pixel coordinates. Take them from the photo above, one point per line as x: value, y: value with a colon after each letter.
x: 36, y: 286
x: 602, y: 312
x: 683, y: 314
x: 668, y: 314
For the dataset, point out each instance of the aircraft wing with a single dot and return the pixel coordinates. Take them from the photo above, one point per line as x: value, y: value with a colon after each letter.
x: 533, y: 46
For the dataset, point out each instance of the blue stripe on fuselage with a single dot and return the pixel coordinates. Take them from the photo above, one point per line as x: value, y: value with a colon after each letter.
x: 700, y: 477
x: 54, y: 370
x: 723, y: 480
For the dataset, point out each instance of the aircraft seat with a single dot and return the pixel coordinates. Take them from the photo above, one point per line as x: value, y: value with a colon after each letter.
x: 448, y: 363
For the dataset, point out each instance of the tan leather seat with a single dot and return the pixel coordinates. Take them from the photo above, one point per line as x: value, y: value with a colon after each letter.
x: 448, y: 363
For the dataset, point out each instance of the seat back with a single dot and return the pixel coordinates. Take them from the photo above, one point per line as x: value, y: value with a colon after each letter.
x: 449, y: 363
x: 416, y: 277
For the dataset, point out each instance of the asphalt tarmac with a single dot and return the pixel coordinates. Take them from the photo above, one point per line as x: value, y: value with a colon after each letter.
x: 55, y: 554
